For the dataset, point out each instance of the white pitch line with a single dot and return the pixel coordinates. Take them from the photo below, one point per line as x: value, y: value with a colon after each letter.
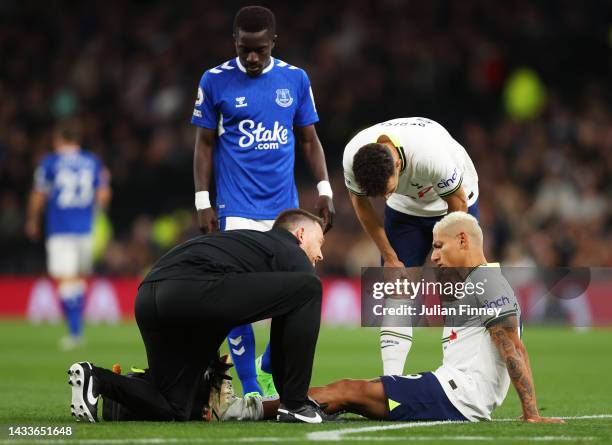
x: 333, y: 435
x: 174, y: 440
x: 337, y: 434
x: 187, y: 440
x: 466, y: 438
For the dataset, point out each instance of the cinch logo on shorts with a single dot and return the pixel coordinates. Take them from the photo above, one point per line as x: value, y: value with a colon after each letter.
x: 265, y: 138
x: 446, y: 182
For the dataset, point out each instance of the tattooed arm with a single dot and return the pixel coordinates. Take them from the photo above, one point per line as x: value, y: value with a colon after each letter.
x: 505, y: 335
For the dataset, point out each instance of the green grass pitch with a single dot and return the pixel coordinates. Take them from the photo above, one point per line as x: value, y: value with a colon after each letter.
x: 572, y: 373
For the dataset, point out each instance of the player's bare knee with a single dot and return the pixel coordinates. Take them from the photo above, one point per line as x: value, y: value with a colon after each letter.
x: 345, y: 387
x: 335, y: 393
x: 350, y: 392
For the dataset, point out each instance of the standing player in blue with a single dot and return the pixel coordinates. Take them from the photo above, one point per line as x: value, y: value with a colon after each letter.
x: 69, y: 184
x: 249, y: 112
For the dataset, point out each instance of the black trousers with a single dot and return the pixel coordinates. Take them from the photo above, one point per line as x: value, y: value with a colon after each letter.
x: 183, y: 324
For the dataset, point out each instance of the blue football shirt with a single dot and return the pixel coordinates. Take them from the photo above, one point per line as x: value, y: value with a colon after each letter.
x: 70, y: 181
x: 254, y: 154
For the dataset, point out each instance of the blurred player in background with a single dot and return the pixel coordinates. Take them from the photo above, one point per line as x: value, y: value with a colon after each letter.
x: 423, y: 173
x: 69, y: 185
x: 249, y: 112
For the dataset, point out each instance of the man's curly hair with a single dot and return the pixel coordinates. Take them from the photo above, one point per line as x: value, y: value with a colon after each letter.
x: 373, y: 166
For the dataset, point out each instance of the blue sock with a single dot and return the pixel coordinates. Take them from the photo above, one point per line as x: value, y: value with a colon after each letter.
x: 266, y: 360
x: 72, y: 294
x: 73, y: 312
x: 241, y: 341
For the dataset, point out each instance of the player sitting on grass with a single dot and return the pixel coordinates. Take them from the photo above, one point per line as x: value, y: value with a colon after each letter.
x: 482, y: 354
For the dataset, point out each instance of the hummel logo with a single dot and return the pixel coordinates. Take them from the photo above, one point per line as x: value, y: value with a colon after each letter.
x: 241, y: 102
x: 238, y: 352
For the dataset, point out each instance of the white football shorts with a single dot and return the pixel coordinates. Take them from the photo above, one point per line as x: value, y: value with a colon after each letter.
x: 69, y: 256
x: 238, y: 223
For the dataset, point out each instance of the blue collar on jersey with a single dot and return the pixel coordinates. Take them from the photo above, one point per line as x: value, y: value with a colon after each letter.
x: 265, y: 70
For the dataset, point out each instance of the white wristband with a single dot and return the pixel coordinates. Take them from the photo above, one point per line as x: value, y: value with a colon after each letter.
x: 324, y: 188
x: 202, y: 201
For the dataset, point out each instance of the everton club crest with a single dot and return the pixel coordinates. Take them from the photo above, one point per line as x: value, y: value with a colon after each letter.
x: 283, y: 98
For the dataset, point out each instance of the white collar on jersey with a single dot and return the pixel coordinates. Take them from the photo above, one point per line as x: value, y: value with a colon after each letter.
x: 265, y: 70
x: 68, y: 149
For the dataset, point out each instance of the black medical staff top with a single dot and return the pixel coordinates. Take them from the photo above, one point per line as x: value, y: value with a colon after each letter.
x: 210, y: 256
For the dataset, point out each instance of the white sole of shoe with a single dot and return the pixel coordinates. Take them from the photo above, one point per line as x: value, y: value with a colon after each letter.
x: 79, y: 408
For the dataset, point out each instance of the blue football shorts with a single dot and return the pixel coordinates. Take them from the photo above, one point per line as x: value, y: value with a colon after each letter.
x: 411, y: 236
x: 418, y: 397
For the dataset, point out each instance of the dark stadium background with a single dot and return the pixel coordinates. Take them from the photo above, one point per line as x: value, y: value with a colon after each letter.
x: 130, y: 70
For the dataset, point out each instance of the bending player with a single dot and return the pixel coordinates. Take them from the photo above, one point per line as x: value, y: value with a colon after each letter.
x: 194, y: 295
x: 423, y: 173
x: 70, y: 183
x: 481, y: 354
x: 249, y: 113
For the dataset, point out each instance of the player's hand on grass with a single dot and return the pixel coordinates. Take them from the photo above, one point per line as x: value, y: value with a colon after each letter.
x: 207, y: 220
x: 325, y: 208
x: 538, y: 419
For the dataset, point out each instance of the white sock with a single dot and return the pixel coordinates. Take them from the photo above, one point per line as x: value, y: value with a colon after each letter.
x: 395, y: 343
x: 395, y: 337
x: 244, y: 408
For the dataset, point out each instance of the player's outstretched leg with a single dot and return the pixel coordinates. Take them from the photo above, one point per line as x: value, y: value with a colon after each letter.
x: 241, y: 341
x: 363, y: 397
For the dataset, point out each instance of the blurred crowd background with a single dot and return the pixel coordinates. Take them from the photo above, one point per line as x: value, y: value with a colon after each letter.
x: 525, y: 86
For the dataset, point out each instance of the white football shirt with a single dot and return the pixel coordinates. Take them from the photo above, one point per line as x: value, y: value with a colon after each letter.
x: 473, y: 374
x: 434, y: 165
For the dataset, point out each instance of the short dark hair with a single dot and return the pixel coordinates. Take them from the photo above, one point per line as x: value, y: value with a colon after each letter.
x: 70, y: 130
x: 373, y: 166
x: 254, y: 19
x: 289, y: 219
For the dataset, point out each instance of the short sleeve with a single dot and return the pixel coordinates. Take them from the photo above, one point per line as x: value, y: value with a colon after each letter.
x: 446, y: 177
x: 204, y: 112
x: 349, y: 177
x: 43, y: 177
x: 497, y: 296
x: 306, y: 112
